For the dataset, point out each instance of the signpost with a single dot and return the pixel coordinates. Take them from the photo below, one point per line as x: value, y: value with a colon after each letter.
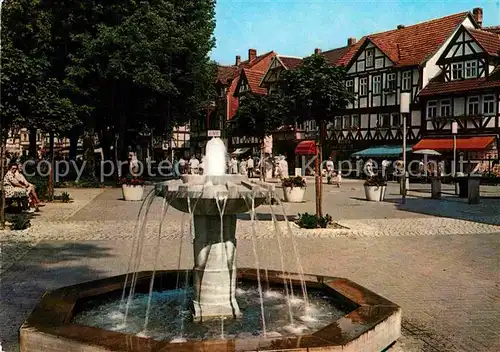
x: 404, y: 109
x: 213, y: 133
x: 454, y: 130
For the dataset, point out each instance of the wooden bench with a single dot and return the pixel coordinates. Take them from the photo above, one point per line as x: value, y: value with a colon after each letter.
x: 21, y: 200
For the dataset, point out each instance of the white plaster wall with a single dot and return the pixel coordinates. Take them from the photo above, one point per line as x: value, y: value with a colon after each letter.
x: 431, y: 69
x: 491, y: 123
x: 363, y: 102
x: 373, y: 120
x: 416, y: 119
x: 429, y: 126
x: 364, y: 120
x: 391, y: 99
x: 459, y: 106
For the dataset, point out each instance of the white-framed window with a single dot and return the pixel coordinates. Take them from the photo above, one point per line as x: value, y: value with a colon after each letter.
x: 356, y: 122
x: 369, y: 57
x: 489, y: 105
x: 391, y: 81
x: 243, y: 87
x: 395, y: 119
x: 349, y: 84
x: 445, y: 108
x: 472, y: 106
x: 347, y: 121
x: 406, y: 81
x: 338, y: 122
x: 457, y: 70
x: 363, y: 86
x: 377, y: 84
x: 470, y: 69
x: 431, y: 108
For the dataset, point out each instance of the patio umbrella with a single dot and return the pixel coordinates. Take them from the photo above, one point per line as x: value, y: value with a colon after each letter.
x: 427, y: 152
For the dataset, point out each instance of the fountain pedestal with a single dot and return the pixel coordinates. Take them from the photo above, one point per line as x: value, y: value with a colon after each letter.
x: 215, y: 267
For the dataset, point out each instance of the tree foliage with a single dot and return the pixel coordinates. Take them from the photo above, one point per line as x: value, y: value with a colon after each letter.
x: 258, y: 115
x: 314, y: 90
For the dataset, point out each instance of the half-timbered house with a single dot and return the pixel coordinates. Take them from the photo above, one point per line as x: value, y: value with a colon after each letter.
x: 380, y: 67
x: 467, y: 91
x: 226, y: 104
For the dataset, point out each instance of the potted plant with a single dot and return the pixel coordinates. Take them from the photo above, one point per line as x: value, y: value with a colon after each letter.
x: 294, y: 189
x: 375, y: 188
x: 132, y: 188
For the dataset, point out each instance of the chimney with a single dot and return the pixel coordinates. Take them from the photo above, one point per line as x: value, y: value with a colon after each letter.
x: 317, y: 51
x: 478, y: 15
x: 351, y: 41
x: 401, y: 26
x: 252, y: 54
x: 238, y: 60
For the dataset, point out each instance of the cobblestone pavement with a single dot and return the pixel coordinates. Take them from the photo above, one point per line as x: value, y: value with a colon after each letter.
x: 438, y: 259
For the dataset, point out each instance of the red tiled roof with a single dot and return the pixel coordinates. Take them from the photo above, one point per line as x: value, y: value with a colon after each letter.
x: 334, y: 55
x: 487, y: 40
x: 492, y: 29
x: 436, y: 87
x: 411, y: 45
x: 258, y: 59
x: 290, y: 62
x: 253, y: 78
x: 226, y: 72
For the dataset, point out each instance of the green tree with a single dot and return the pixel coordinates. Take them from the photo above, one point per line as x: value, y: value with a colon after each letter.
x: 315, y: 91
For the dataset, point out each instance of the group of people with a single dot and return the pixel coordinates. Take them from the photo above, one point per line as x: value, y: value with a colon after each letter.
x: 15, y: 185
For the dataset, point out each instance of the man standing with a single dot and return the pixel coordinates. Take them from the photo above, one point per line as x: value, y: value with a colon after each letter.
x: 329, y: 170
x: 193, y: 165
x: 182, y: 165
x: 250, y: 166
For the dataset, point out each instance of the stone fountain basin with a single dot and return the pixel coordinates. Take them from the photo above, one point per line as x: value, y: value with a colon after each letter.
x: 207, y: 199
x: 371, y: 324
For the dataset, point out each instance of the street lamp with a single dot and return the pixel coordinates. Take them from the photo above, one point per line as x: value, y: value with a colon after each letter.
x: 404, y: 109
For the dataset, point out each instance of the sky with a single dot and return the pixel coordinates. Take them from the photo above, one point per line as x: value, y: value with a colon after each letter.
x: 296, y: 28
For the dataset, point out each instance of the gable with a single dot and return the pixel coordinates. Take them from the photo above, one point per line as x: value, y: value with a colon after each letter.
x: 242, y: 85
x: 271, y: 75
x: 369, y: 57
x: 461, y: 45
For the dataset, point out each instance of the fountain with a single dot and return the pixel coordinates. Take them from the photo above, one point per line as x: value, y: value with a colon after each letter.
x: 218, y: 307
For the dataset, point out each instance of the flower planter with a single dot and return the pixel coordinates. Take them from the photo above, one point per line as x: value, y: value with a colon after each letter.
x: 132, y: 192
x: 375, y: 193
x: 294, y: 194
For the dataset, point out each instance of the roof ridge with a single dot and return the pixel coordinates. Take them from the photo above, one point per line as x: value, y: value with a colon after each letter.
x: 290, y: 57
x: 419, y: 23
x: 342, y: 47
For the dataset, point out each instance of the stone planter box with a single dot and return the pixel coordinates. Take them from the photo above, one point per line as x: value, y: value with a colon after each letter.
x: 375, y: 193
x: 133, y: 193
x: 294, y: 194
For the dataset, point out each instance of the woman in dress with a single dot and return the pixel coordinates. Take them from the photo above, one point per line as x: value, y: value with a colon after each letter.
x: 11, y: 185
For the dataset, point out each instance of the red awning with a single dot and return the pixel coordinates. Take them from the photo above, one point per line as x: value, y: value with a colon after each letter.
x: 463, y: 143
x: 306, y: 148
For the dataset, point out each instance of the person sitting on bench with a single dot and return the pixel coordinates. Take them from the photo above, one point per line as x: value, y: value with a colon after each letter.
x: 29, y: 186
x: 12, y: 187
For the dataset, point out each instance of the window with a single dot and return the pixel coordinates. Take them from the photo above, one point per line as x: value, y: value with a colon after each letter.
x: 383, y: 120
x: 457, y: 70
x: 471, y: 69
x: 377, y: 84
x: 432, y: 109
x: 355, y: 121
x: 489, y: 105
x: 396, y: 119
x: 347, y: 121
x: 350, y: 86
x: 391, y: 81
x: 406, y: 84
x: 363, y: 86
x: 338, y: 122
x: 473, y: 106
x: 369, y: 58
x: 445, y: 108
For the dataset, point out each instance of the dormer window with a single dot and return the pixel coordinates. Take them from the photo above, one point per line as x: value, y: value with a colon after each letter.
x: 369, y: 57
x: 457, y: 70
x: 471, y: 69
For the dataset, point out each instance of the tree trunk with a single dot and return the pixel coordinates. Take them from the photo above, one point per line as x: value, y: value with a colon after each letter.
x: 32, y: 151
x: 106, y: 142
x: 2, y: 173
x: 51, y: 171
x: 89, y: 157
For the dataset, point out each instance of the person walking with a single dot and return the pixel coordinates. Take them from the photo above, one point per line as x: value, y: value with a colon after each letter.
x: 250, y: 165
x: 329, y: 170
